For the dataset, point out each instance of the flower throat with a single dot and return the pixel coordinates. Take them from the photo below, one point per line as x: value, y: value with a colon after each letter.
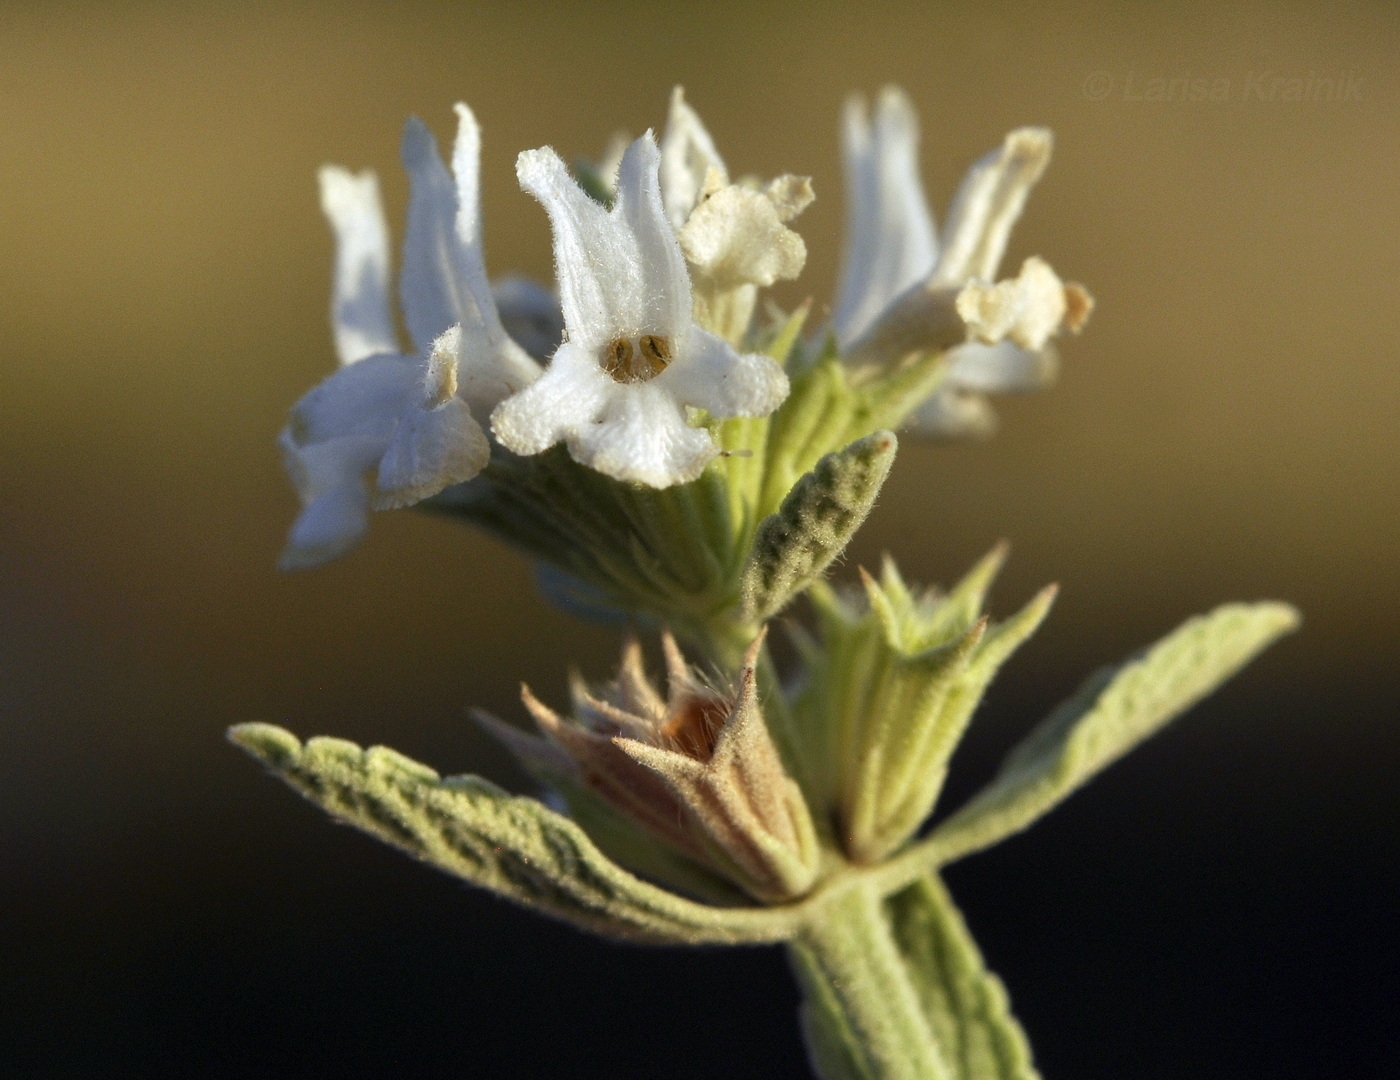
x: 629, y: 362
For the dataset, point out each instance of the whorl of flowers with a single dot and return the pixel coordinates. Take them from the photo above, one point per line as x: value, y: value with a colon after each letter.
x: 650, y: 338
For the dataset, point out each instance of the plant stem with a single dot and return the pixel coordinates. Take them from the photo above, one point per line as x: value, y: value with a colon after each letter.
x: 861, y: 1014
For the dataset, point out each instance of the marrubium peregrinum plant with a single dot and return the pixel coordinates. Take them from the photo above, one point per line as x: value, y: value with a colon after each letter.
x: 672, y: 451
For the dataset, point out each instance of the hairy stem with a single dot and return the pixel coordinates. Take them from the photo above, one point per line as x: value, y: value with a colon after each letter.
x: 861, y: 1013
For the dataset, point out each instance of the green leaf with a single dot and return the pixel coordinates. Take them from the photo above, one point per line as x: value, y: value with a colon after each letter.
x: 966, y: 1004
x: 785, y: 335
x: 514, y: 846
x: 815, y: 523
x: 911, y: 784
x: 1111, y: 713
x: 888, y: 400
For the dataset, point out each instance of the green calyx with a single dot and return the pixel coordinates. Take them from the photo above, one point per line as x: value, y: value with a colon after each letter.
x: 714, y: 558
x: 891, y: 680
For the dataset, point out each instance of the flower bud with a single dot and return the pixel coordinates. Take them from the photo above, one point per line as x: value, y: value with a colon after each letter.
x: 697, y: 768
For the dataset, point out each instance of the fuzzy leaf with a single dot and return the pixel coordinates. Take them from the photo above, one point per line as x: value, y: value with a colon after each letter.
x: 512, y: 845
x: 815, y: 523
x: 1111, y: 713
x: 966, y: 1004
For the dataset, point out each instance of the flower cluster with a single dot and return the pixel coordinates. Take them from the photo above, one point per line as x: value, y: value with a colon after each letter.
x: 673, y: 459
x: 650, y: 340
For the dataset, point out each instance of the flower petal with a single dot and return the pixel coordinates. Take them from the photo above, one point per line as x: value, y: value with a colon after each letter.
x: 1001, y: 368
x: 360, y: 315
x: 493, y: 364
x: 790, y: 195
x: 736, y: 237
x: 711, y: 375
x: 437, y: 442
x: 585, y: 242
x: 572, y: 393
x: 364, y: 398
x: 635, y: 431
x: 327, y: 528
x: 951, y: 413
x: 924, y: 318
x: 988, y: 203
x: 642, y: 436
x: 431, y: 282
x: 330, y: 478
x: 432, y: 449
x: 687, y: 156
x: 666, y: 281
x: 1027, y: 309
x: 444, y: 279
x: 890, y: 238
x: 530, y: 314
x: 620, y: 272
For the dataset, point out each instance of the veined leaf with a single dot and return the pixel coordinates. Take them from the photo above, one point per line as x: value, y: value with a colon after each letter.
x: 815, y: 523
x: 512, y: 845
x: 1111, y: 713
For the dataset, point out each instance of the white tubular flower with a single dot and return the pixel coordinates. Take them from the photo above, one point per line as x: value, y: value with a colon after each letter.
x: 444, y: 281
x: 890, y: 238
x: 902, y: 290
x: 688, y: 156
x: 734, y: 236
x: 389, y: 429
x: 633, y: 357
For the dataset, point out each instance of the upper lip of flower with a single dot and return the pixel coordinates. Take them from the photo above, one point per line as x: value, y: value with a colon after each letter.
x: 892, y: 243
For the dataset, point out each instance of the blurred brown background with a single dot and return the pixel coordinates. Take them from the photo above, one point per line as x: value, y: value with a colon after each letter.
x: 1221, y: 905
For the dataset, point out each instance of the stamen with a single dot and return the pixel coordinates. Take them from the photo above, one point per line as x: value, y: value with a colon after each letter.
x: 617, y: 360
x: 627, y: 363
x: 657, y: 350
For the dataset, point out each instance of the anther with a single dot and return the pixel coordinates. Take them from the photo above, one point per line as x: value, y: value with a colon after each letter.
x: 617, y: 360
x: 629, y: 364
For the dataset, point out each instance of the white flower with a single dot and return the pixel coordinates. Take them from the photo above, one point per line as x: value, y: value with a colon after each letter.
x: 405, y: 419
x: 734, y: 236
x: 633, y: 358
x: 904, y: 288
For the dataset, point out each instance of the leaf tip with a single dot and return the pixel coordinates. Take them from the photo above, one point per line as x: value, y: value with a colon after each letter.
x: 882, y: 444
x: 274, y: 746
x: 1284, y: 617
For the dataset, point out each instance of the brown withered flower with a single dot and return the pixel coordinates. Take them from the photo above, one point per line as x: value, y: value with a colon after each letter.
x: 696, y: 768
